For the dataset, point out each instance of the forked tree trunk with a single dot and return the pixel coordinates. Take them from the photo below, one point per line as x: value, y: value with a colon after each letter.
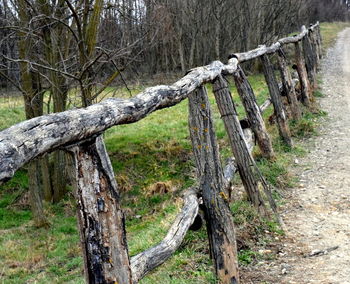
x: 219, y: 219
x: 254, y: 114
x: 245, y: 163
x: 288, y: 86
x: 101, y: 220
x: 272, y: 84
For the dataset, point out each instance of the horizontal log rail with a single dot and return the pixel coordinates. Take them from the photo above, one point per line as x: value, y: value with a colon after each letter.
x: 24, y: 141
x: 101, y: 219
x: 263, y: 49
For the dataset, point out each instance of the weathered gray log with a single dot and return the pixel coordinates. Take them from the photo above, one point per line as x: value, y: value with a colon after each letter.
x: 29, y: 139
x: 146, y: 261
x: 245, y: 163
x: 255, y: 53
x: 220, y: 226
x: 261, y: 50
x: 254, y: 114
x: 288, y: 85
x: 272, y: 84
x: 304, y: 81
x: 101, y: 220
x: 319, y: 40
x: 293, y: 39
x: 315, y: 49
x: 309, y: 61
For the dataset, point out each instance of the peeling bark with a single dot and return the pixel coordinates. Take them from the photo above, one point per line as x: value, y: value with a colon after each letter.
x: 101, y: 221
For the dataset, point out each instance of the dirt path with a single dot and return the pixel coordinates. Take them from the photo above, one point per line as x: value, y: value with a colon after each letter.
x: 318, y: 217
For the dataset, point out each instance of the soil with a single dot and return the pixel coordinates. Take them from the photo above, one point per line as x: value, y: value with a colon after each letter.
x: 316, y: 245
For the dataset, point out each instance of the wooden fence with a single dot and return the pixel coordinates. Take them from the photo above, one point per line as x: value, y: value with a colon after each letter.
x: 101, y: 220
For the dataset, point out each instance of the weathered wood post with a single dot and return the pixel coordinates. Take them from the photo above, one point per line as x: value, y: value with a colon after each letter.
x: 272, y: 84
x: 309, y: 60
x: 101, y: 220
x: 244, y: 160
x: 315, y: 49
x: 319, y: 39
x: 253, y: 112
x: 287, y: 85
x: 219, y: 219
x: 304, y: 81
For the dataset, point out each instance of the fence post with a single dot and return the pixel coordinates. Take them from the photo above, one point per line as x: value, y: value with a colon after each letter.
x: 319, y: 40
x: 253, y: 112
x: 309, y: 60
x: 315, y: 49
x: 304, y: 81
x: 101, y: 220
x: 288, y: 86
x: 219, y: 219
x: 244, y: 160
x: 275, y: 95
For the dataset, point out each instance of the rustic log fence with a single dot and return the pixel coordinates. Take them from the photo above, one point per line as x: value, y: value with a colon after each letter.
x: 101, y: 220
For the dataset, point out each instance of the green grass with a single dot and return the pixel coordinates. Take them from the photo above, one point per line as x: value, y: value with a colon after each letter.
x: 329, y: 32
x: 154, y: 150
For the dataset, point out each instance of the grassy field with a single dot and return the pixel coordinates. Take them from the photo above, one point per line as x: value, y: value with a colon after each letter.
x: 153, y: 163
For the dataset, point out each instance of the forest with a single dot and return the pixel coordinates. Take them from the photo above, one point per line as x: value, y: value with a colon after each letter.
x: 65, y: 55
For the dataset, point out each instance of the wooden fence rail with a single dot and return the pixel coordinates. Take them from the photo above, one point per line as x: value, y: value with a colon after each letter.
x: 101, y: 220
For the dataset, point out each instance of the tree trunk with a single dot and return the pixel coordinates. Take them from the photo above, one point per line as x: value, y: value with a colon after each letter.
x: 101, y: 220
x: 33, y: 100
x: 46, y: 178
x: 245, y: 162
x: 288, y: 86
x: 254, y: 114
x: 59, y: 175
x: 35, y: 194
x: 220, y: 224
x: 272, y: 84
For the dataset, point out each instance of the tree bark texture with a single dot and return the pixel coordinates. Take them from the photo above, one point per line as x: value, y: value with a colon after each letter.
x: 288, y: 85
x: 253, y: 112
x: 35, y: 190
x: 146, y: 261
x: 309, y: 61
x: 221, y: 231
x: 59, y: 180
x: 315, y: 47
x: 31, y: 138
x: 101, y: 220
x: 302, y: 73
x: 272, y: 84
x: 245, y: 162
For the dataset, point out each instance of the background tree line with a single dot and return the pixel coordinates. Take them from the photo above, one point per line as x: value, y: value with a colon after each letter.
x: 48, y: 47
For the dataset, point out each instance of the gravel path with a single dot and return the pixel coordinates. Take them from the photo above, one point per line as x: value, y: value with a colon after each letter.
x: 316, y: 248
